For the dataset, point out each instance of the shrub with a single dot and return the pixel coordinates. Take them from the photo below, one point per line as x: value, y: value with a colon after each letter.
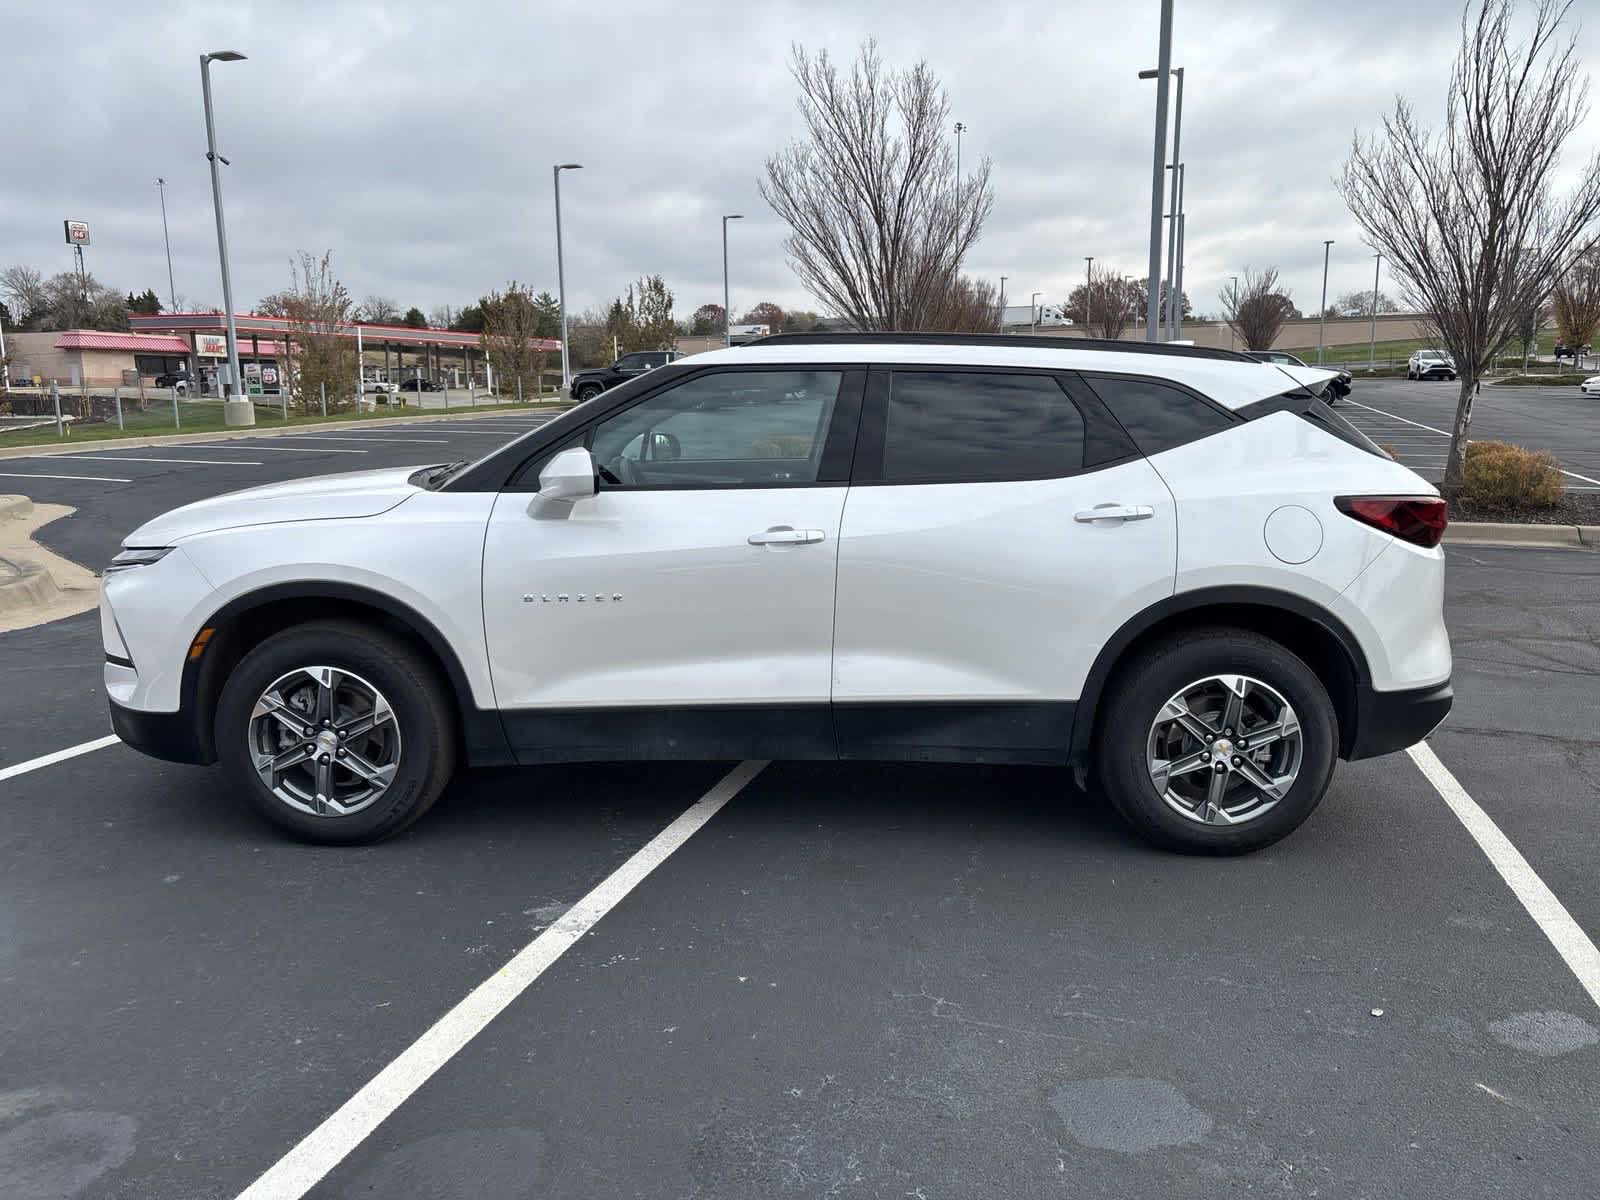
x: 1498, y: 475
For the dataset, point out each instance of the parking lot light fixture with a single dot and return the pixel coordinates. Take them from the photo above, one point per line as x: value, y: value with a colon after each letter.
x: 236, y: 407
x: 727, y: 313
x: 1322, y: 314
x: 561, y: 273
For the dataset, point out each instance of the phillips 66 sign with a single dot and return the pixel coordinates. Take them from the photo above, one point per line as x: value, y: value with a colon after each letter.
x: 77, y: 232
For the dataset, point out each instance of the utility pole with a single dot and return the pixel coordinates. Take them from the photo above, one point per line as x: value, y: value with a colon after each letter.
x: 1322, y: 317
x: 1157, y: 174
x: 172, y: 288
x: 960, y: 129
x: 1003, y: 279
x: 561, y: 274
x: 1033, y: 311
x: 1372, y: 332
x: 727, y: 313
x: 236, y: 409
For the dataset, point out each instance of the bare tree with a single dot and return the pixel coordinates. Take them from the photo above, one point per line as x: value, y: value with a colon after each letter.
x: 319, y: 313
x: 878, y: 222
x: 1105, y: 304
x: 1258, y: 311
x: 1359, y: 304
x: 511, y: 322
x: 967, y: 306
x: 1576, y: 303
x: 1467, y: 216
x: 379, y: 310
x: 23, y: 290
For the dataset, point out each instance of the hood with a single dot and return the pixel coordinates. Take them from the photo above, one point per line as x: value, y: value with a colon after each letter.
x: 320, y: 498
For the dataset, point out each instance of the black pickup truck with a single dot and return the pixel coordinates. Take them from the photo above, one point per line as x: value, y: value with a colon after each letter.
x: 586, y: 385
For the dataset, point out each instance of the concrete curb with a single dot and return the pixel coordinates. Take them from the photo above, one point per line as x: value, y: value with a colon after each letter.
x: 89, y: 445
x: 14, y: 508
x: 1494, y: 533
x: 37, y: 585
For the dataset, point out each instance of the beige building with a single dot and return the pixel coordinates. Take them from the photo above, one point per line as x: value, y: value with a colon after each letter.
x: 90, y: 358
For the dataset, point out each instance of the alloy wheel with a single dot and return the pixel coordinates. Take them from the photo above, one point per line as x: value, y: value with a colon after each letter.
x: 324, y: 741
x: 1224, y: 750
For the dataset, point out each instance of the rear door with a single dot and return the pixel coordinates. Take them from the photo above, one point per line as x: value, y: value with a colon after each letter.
x: 1000, y: 526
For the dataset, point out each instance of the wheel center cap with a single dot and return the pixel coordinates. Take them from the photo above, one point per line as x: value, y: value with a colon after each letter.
x: 327, y: 741
x: 1222, y: 748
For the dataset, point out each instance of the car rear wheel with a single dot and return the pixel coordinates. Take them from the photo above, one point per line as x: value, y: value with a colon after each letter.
x: 336, y: 731
x: 1218, y: 741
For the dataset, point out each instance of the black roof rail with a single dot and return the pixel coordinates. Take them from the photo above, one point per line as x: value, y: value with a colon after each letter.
x: 1014, y: 341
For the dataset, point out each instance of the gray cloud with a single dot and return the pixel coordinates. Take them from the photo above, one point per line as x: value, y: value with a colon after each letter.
x: 416, y: 139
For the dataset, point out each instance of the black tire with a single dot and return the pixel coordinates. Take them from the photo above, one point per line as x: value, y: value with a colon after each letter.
x: 587, y: 391
x: 422, y: 713
x: 1145, y: 683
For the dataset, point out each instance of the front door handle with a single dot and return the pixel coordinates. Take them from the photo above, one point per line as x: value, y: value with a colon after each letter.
x: 1115, y: 512
x: 786, y: 535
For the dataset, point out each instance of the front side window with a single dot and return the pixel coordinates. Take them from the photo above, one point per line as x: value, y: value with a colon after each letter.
x: 1157, y: 415
x: 948, y: 426
x: 730, y: 429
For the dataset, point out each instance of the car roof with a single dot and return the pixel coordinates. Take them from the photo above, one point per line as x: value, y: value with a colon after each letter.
x: 1228, y: 378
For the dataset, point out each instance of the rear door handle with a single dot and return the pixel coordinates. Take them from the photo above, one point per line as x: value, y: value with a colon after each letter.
x: 1115, y: 512
x: 785, y: 535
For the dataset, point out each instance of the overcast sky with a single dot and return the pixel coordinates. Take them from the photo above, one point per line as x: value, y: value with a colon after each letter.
x: 415, y: 139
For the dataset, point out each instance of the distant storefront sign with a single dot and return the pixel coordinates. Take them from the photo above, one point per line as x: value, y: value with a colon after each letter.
x: 77, y: 232
x: 210, y: 345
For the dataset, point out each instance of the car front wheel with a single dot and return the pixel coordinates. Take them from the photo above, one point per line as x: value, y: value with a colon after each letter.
x: 336, y: 731
x: 1218, y: 741
x: 586, y: 391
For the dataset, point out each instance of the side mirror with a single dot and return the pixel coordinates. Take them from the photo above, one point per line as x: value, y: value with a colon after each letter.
x: 568, y: 476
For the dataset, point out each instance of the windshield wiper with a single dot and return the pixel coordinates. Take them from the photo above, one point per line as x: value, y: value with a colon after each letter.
x: 432, y: 477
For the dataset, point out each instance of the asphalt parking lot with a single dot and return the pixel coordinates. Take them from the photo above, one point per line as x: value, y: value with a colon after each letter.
x: 1414, y: 417
x: 853, y: 980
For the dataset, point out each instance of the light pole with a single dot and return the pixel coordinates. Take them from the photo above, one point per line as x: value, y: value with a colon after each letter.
x: 1322, y: 317
x: 1033, y: 311
x: 1235, y: 294
x: 960, y: 129
x: 1175, y: 326
x: 1372, y: 334
x: 1088, y: 294
x: 172, y: 288
x: 1003, y: 279
x: 1162, y: 70
x: 234, y: 411
x: 561, y: 274
x: 727, y: 313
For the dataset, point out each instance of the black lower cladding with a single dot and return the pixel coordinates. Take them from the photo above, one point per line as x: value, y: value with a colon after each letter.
x: 1390, y: 721
x: 171, y: 736
x: 934, y: 732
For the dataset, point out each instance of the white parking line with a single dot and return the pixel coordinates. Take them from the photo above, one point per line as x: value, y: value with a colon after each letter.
x: 202, y: 462
x: 334, y: 437
x: 294, y: 449
x: 1444, y: 433
x: 48, y: 760
x: 1552, y: 917
x: 298, y: 1171
x: 41, y: 475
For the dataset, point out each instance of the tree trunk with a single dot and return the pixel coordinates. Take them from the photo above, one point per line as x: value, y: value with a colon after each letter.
x: 1458, y: 433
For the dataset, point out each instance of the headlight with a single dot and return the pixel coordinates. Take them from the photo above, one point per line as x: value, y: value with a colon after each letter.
x: 137, y: 556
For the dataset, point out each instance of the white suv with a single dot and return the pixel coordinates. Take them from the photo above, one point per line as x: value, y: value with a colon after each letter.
x: 1174, y: 568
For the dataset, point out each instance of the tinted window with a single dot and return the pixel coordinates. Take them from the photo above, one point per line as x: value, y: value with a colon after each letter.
x: 722, y: 430
x: 1156, y: 415
x: 955, y: 425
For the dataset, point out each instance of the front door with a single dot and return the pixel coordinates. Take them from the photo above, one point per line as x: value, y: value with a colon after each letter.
x: 687, y: 608
x: 996, y: 534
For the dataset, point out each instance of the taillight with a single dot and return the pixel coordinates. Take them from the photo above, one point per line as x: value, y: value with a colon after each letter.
x: 1419, y: 520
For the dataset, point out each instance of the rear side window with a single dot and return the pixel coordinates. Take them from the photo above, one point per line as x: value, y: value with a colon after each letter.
x: 1157, y: 415
x: 948, y: 426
